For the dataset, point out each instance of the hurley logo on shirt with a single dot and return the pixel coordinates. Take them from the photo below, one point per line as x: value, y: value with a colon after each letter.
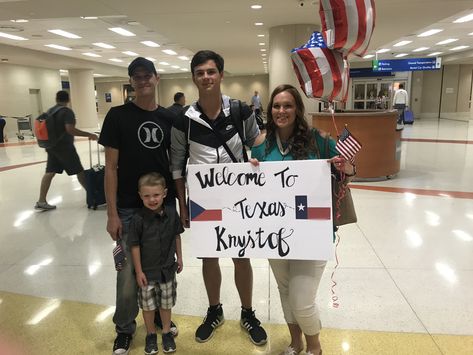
x: 150, y: 135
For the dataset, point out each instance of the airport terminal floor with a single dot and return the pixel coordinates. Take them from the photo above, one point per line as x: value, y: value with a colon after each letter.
x: 404, y: 280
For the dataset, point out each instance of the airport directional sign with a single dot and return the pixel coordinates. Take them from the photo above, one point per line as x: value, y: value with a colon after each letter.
x: 411, y: 64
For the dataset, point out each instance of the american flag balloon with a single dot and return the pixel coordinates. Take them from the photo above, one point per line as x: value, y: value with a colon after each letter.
x: 347, y: 25
x: 320, y: 70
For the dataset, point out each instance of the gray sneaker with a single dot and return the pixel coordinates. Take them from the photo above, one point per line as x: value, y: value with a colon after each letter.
x: 44, y: 206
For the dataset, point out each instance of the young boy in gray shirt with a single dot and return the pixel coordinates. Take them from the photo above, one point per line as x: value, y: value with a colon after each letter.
x: 155, y: 241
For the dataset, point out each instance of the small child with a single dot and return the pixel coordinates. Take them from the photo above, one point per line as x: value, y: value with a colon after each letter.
x: 154, y: 240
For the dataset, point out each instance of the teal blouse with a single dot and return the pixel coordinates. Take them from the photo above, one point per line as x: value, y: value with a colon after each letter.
x: 259, y: 151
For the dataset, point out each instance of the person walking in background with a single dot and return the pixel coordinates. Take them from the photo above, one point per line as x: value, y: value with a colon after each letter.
x: 136, y: 137
x: 288, y: 137
x: 154, y: 241
x: 179, y: 103
x: 258, y: 108
x: 400, y: 102
x: 3, y: 136
x: 63, y: 156
x: 205, y: 133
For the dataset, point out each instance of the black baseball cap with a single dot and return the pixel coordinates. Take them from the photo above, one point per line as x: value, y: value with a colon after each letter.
x: 141, y: 62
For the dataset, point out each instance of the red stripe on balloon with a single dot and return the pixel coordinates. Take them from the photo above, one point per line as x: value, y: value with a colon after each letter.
x: 336, y: 72
x: 339, y: 12
x: 361, y: 11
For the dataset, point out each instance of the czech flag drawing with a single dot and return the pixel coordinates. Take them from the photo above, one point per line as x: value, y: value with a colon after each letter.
x: 305, y: 212
x: 199, y: 214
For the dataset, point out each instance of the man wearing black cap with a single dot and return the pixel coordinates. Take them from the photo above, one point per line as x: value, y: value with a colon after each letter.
x: 136, y: 137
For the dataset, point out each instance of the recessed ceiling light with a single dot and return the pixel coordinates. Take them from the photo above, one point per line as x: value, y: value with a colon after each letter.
x: 183, y: 57
x: 434, y: 53
x: 169, y: 51
x: 256, y: 7
x: 164, y: 63
x: 470, y: 34
x: 261, y: 35
x: 259, y: 23
x: 151, y: 59
x: 368, y: 56
x: 262, y: 44
x: 175, y: 66
x: 150, y: 44
x: 459, y: 48
x: 9, y: 36
x: 55, y: 46
x: 63, y: 71
x: 464, y: 19
x: 98, y: 75
x: 402, y: 43
x: 89, y: 17
x: 429, y: 33
x: 263, y: 54
x: 103, y: 45
x: 383, y: 50
x: 116, y: 60
x: 88, y: 54
x: 447, y: 41
x: 400, y: 55
x: 420, y: 49
x: 122, y: 31
x: 20, y: 20
x: 184, y: 69
x: 263, y: 50
x: 130, y: 53
x: 161, y: 70
x: 64, y: 34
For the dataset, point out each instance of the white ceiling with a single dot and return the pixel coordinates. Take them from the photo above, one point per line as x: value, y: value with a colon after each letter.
x: 222, y: 25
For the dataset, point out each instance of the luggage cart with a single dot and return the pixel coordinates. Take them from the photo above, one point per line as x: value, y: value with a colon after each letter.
x: 24, y: 124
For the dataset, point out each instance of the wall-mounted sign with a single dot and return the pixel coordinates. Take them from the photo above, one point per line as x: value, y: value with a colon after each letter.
x: 411, y: 64
x: 108, y: 97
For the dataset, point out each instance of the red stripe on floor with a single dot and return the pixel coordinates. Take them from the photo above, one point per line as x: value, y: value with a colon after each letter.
x: 438, y: 193
x: 427, y: 140
x: 16, y: 144
x: 5, y: 168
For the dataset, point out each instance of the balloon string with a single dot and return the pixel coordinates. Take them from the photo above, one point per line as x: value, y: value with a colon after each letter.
x: 335, y: 303
x: 332, y: 111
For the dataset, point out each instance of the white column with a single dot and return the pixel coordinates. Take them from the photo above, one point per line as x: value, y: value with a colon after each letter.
x: 82, y: 92
x: 281, y: 40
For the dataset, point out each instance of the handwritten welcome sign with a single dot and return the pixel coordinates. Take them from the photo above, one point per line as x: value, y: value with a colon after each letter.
x: 276, y: 210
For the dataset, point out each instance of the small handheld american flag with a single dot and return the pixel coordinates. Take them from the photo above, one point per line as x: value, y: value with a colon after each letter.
x: 348, y: 145
x: 119, y: 256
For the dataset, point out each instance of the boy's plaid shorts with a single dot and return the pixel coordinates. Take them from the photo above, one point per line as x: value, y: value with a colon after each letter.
x: 157, y: 295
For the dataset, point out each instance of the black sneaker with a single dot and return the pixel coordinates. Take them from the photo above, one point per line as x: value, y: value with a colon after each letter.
x: 151, y: 342
x: 212, y: 320
x: 159, y: 324
x: 169, y: 345
x: 253, y: 326
x: 122, y: 343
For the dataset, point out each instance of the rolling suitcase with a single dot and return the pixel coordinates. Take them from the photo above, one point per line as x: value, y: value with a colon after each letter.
x: 408, y: 116
x: 94, y: 178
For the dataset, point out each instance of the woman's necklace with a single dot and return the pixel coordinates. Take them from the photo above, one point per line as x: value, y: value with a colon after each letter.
x: 283, y: 150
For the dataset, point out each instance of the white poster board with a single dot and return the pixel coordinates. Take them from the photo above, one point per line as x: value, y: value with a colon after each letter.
x: 276, y: 210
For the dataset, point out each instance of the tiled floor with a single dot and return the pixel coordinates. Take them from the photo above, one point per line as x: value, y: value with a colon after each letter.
x: 405, y: 279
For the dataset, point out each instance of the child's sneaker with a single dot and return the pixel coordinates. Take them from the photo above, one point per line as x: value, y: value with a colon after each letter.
x: 212, y: 320
x: 159, y: 324
x: 122, y: 343
x: 169, y: 345
x: 151, y: 346
x: 253, y: 326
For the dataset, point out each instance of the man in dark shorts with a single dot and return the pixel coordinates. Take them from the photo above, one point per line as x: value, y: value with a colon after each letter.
x: 63, y: 156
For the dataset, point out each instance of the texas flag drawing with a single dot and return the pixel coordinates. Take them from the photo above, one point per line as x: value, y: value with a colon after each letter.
x: 303, y: 211
x: 199, y: 213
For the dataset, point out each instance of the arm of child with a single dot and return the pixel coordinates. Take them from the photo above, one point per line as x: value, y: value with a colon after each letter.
x: 180, y: 265
x: 140, y: 276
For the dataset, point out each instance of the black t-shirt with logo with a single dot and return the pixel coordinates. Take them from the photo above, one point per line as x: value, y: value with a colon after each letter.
x: 143, y: 139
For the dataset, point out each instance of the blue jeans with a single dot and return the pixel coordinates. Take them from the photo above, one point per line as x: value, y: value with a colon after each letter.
x: 127, y: 288
x: 126, y: 301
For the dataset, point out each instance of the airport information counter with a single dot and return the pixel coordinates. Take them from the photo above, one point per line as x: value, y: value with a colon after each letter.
x: 380, y: 156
